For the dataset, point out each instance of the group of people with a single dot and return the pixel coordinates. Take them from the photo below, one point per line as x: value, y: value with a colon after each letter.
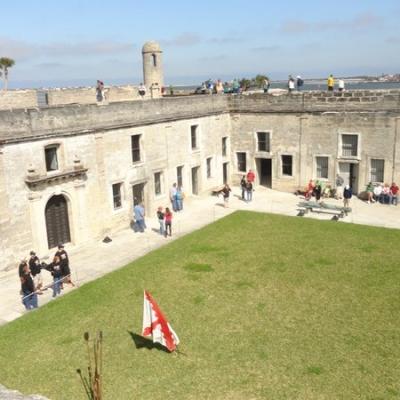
x: 176, y: 195
x: 331, y: 84
x: 217, y: 87
x: 295, y: 84
x: 318, y: 190
x: 30, y: 274
x: 247, y: 186
x: 165, y: 220
x: 384, y: 194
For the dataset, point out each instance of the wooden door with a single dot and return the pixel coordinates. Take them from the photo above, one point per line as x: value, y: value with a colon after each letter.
x: 57, y: 222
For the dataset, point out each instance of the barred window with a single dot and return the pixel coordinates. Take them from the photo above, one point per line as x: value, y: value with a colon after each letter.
x: 117, y: 198
x: 287, y: 165
x: 224, y: 146
x: 322, y: 167
x: 377, y: 170
x: 263, y: 141
x: 157, y: 183
x: 179, y: 175
x: 193, y: 136
x: 349, y: 145
x: 135, y: 147
x: 241, y: 161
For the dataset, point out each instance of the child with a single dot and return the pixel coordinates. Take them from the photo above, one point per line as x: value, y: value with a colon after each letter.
x: 168, y: 222
x: 160, y: 216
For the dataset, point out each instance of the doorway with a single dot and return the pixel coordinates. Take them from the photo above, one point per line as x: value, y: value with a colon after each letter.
x: 138, y: 194
x: 57, y: 221
x: 264, y: 170
x: 195, y: 180
x: 225, y: 172
x: 349, y: 173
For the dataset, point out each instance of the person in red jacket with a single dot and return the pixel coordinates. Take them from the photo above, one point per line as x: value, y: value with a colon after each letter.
x: 251, y: 176
x: 394, y: 194
x: 168, y: 222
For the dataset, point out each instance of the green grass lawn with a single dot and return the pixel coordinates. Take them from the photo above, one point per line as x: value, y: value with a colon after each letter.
x: 266, y: 307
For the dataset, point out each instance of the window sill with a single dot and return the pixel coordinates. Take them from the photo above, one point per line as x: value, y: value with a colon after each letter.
x: 137, y: 164
x: 33, y: 180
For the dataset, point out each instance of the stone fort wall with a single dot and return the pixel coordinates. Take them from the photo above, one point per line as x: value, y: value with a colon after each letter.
x: 94, y: 152
x: 28, y: 98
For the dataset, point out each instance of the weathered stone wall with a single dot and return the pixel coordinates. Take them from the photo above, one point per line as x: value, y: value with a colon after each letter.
x: 22, y: 99
x: 14, y: 99
x: 303, y: 126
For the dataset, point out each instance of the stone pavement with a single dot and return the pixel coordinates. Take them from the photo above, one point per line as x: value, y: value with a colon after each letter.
x: 127, y: 245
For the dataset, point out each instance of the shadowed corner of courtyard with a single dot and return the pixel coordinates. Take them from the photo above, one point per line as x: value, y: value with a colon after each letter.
x: 266, y: 306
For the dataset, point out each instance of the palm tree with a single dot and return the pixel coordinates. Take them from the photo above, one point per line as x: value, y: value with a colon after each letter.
x: 5, y: 64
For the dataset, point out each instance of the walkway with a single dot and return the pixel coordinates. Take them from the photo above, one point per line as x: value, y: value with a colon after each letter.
x: 126, y: 245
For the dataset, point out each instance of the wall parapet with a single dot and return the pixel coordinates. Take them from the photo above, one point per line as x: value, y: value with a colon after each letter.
x: 28, y: 124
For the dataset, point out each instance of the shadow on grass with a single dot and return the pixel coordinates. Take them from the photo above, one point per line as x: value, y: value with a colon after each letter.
x: 142, y: 342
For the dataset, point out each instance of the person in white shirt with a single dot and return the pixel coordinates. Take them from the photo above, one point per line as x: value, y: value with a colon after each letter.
x: 341, y: 85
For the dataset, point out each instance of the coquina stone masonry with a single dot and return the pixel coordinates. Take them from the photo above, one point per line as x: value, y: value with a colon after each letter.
x: 204, y: 139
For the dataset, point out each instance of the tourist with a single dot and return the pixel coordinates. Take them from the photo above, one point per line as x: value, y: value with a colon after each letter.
x: 309, y: 190
x: 347, y: 195
x: 299, y: 82
x: 160, y: 217
x: 317, y: 191
x: 341, y: 85
x: 64, y: 265
x: 394, y: 192
x: 28, y: 290
x: 266, y: 85
x: 100, y: 91
x: 249, y: 191
x: 370, y: 193
x: 168, y: 222
x: 225, y: 191
x: 243, y: 185
x: 331, y: 83
x: 21, y: 268
x: 172, y: 197
x: 377, y: 192
x: 180, y: 195
x: 385, y: 197
x: 35, y: 268
x: 139, y: 215
x: 56, y: 272
x: 290, y: 84
x: 339, y: 187
x: 219, y: 87
x: 142, y: 90
x: 251, y: 176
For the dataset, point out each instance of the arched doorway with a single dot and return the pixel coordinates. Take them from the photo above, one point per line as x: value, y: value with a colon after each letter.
x: 57, y: 223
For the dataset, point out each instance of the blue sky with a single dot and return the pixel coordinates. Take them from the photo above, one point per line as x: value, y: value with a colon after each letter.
x: 71, y: 42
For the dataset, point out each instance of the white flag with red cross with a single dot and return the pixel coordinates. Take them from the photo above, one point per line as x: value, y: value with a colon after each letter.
x: 156, y: 325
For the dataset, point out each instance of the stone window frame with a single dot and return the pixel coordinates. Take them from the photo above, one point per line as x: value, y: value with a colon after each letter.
x: 59, y: 154
x: 280, y: 168
x: 255, y: 134
x: 237, y: 162
x: 340, y: 145
x: 328, y: 156
x: 122, y: 195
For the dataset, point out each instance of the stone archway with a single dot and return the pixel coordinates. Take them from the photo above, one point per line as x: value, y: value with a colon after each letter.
x: 57, y: 222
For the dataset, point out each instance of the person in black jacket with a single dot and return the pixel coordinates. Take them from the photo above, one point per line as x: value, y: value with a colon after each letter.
x: 243, y: 184
x: 35, y: 267
x: 64, y: 264
x: 28, y: 290
x: 55, y: 269
x: 347, y: 195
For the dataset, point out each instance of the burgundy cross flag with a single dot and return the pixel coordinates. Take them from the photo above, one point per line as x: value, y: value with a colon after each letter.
x: 156, y: 325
